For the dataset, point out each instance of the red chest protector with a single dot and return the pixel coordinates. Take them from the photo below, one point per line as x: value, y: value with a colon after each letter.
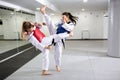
x: 38, y: 34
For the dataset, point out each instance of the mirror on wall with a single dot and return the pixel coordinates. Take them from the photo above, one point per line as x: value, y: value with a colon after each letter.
x: 10, y: 28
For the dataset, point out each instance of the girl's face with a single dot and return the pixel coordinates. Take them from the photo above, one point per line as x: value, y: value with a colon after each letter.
x: 66, y: 18
x: 30, y: 29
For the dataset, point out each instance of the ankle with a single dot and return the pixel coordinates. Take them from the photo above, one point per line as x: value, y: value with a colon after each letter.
x: 58, y: 68
x: 45, y: 72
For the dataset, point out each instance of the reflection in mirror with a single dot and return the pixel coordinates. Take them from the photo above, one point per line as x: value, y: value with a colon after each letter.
x: 7, y: 30
x: 14, y: 52
x: 10, y: 29
x: 20, y: 17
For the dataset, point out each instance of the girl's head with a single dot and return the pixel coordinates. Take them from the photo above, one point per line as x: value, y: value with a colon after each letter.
x: 69, y: 17
x: 27, y: 26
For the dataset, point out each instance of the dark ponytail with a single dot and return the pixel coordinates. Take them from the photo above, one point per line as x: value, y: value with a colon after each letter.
x: 74, y: 19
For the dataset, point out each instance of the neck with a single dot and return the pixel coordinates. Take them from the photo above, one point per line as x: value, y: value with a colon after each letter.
x: 68, y: 21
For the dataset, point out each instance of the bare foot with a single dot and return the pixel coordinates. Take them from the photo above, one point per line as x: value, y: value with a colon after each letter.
x: 45, y: 72
x: 48, y: 47
x: 42, y: 9
x: 58, y: 68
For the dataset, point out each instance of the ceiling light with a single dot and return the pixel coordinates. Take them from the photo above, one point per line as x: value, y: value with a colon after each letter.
x: 85, y: 1
x: 15, y: 7
x: 9, y: 5
x: 43, y: 2
x: 11, y: 13
x: 37, y: 8
x: 52, y: 14
x: 83, y: 9
x: 49, y: 5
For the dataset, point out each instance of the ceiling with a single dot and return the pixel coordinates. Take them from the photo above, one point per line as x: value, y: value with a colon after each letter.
x: 75, y: 5
x: 64, y: 5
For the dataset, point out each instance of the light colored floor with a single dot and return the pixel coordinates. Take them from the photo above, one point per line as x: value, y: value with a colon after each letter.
x: 8, y: 45
x: 81, y: 60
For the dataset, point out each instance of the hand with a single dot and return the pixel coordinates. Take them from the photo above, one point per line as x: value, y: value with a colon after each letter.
x: 71, y: 34
x: 48, y: 47
x: 37, y: 24
x: 24, y: 33
x: 42, y: 9
x: 64, y: 20
x: 44, y: 23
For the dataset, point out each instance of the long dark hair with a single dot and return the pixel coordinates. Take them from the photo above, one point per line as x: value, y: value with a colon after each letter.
x: 74, y: 19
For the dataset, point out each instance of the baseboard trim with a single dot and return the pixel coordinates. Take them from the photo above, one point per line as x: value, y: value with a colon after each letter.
x: 10, y: 39
x: 83, y: 39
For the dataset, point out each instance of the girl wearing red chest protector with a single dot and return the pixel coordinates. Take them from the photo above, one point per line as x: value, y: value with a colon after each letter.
x: 32, y: 33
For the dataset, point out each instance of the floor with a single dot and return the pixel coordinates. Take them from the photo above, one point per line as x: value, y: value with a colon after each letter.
x: 8, y: 45
x: 81, y: 60
x: 14, y: 58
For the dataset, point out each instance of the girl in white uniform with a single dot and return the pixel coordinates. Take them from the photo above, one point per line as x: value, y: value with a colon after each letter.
x: 67, y: 26
x: 32, y: 33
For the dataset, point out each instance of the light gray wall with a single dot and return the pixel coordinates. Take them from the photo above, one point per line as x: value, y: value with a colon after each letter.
x: 91, y: 24
x: 12, y: 23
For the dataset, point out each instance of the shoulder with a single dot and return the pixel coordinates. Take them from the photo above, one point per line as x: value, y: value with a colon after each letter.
x: 71, y: 23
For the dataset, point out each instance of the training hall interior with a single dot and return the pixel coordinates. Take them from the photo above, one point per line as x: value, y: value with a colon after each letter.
x: 92, y: 53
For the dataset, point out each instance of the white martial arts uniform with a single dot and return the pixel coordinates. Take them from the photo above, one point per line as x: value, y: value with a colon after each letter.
x: 44, y: 42
x: 59, y: 45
